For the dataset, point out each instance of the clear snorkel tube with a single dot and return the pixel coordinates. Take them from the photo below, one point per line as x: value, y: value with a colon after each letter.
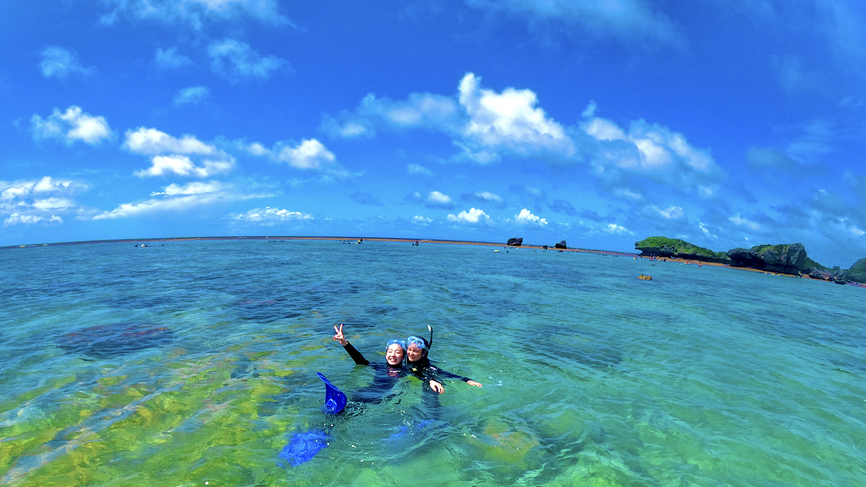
x: 430, y: 345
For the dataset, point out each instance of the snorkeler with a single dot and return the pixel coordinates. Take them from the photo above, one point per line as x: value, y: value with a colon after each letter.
x: 386, y: 374
x: 419, y: 364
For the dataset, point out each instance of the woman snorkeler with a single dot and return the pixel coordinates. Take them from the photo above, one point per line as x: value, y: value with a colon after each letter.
x: 386, y: 375
x: 418, y: 348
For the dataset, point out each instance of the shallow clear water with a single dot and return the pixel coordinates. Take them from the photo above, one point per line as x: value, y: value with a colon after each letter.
x: 702, y: 376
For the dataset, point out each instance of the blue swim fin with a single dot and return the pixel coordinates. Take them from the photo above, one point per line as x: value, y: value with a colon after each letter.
x: 335, y: 400
x: 304, y: 446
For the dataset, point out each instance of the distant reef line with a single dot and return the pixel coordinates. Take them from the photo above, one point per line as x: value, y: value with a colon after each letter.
x: 789, y: 259
x: 781, y: 258
x: 348, y: 239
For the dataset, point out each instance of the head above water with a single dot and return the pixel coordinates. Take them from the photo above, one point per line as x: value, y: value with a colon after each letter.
x: 418, y: 348
x: 395, y: 351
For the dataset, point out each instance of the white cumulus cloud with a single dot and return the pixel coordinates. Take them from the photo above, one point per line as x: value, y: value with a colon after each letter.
x: 172, y: 155
x: 508, y: 121
x: 525, y: 217
x: 71, y: 126
x: 183, y: 166
x: 483, y: 123
x: 435, y: 198
x: 150, y: 141
x: 307, y: 155
x: 38, y: 201
x: 651, y: 152
x: 474, y: 216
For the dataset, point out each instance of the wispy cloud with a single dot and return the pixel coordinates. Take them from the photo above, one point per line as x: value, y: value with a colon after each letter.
x: 170, y: 58
x: 632, y: 22
x: 175, y: 199
x: 365, y: 199
x: 433, y: 199
x: 192, y: 95
x: 483, y: 197
x: 236, y: 61
x: 194, y: 13
x: 418, y: 170
x: 271, y: 216
x: 61, y: 63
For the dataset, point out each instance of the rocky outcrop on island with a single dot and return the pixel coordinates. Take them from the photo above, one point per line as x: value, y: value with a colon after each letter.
x: 676, y: 248
x: 857, y: 272
x: 515, y: 242
x: 784, y: 259
x: 561, y: 245
x: 787, y: 259
x: 835, y: 274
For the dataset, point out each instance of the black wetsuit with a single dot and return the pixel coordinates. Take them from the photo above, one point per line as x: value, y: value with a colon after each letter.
x: 426, y: 371
x: 383, y: 381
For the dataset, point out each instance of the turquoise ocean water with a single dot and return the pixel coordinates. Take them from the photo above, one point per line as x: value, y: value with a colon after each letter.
x: 702, y: 376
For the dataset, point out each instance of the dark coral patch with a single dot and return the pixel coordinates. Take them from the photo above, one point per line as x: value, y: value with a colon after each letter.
x: 105, y: 341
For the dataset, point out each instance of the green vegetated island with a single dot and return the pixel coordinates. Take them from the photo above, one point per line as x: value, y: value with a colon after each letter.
x: 785, y: 259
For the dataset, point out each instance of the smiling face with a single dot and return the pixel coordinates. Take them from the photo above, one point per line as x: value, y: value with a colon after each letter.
x: 394, y: 354
x: 415, y: 353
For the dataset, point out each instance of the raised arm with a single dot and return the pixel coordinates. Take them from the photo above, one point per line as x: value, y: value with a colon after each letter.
x: 356, y: 355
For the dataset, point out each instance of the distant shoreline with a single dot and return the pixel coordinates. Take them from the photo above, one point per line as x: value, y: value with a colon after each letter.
x: 347, y: 238
x: 420, y: 240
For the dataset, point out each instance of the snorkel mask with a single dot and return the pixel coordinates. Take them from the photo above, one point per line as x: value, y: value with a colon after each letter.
x: 398, y: 342
x: 420, y: 342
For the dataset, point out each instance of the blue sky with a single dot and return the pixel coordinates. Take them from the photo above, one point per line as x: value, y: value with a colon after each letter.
x: 727, y: 124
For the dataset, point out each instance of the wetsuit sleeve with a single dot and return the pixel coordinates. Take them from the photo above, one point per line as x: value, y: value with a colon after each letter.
x: 449, y: 375
x: 356, y: 355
